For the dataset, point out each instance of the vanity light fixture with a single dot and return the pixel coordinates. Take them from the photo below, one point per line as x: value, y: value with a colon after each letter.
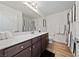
x: 27, y: 4
x: 31, y: 4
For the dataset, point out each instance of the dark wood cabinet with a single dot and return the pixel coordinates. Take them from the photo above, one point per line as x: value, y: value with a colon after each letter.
x: 30, y: 48
x: 24, y: 53
x: 43, y: 45
x: 1, y: 53
x: 40, y: 45
x: 39, y: 48
x: 36, y: 47
x: 11, y: 51
x: 34, y: 40
x: 34, y: 50
x: 44, y: 41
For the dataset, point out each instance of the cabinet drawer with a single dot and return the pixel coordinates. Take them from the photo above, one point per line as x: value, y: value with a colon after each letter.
x: 35, y: 40
x: 45, y: 35
x: 25, y: 53
x: 26, y: 44
x: 15, y: 49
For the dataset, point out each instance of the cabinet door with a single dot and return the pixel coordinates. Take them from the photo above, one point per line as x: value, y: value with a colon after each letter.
x: 39, y: 48
x: 43, y: 44
x: 1, y: 53
x: 25, y: 53
x: 44, y: 41
x: 36, y: 49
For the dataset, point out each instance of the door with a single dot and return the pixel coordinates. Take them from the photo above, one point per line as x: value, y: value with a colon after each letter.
x: 44, y: 41
x: 39, y: 48
x: 36, y: 49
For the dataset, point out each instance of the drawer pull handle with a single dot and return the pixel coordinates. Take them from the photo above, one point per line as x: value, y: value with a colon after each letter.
x: 30, y: 49
x: 22, y: 47
x: 33, y: 46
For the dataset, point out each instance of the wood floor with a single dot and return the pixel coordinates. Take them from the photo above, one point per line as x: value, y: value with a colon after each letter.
x: 60, y: 49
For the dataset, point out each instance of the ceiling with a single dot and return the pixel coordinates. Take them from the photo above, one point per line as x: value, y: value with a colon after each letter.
x: 51, y: 7
x: 45, y: 8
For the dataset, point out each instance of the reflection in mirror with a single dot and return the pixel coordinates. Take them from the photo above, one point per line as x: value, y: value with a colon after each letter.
x: 74, y: 12
x: 28, y: 24
x: 44, y: 23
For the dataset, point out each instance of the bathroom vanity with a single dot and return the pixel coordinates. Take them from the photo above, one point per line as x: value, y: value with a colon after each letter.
x: 30, y: 46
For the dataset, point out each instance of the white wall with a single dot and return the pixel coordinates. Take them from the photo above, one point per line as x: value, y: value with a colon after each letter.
x: 10, y: 19
x: 39, y: 24
x: 56, y: 22
x: 77, y: 19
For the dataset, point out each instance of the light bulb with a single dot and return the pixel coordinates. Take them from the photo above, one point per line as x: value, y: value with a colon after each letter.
x: 33, y: 4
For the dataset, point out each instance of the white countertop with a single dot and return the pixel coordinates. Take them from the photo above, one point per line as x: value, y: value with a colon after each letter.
x: 18, y: 39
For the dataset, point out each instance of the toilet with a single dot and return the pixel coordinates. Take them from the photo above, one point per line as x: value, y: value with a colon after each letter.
x: 50, y: 39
